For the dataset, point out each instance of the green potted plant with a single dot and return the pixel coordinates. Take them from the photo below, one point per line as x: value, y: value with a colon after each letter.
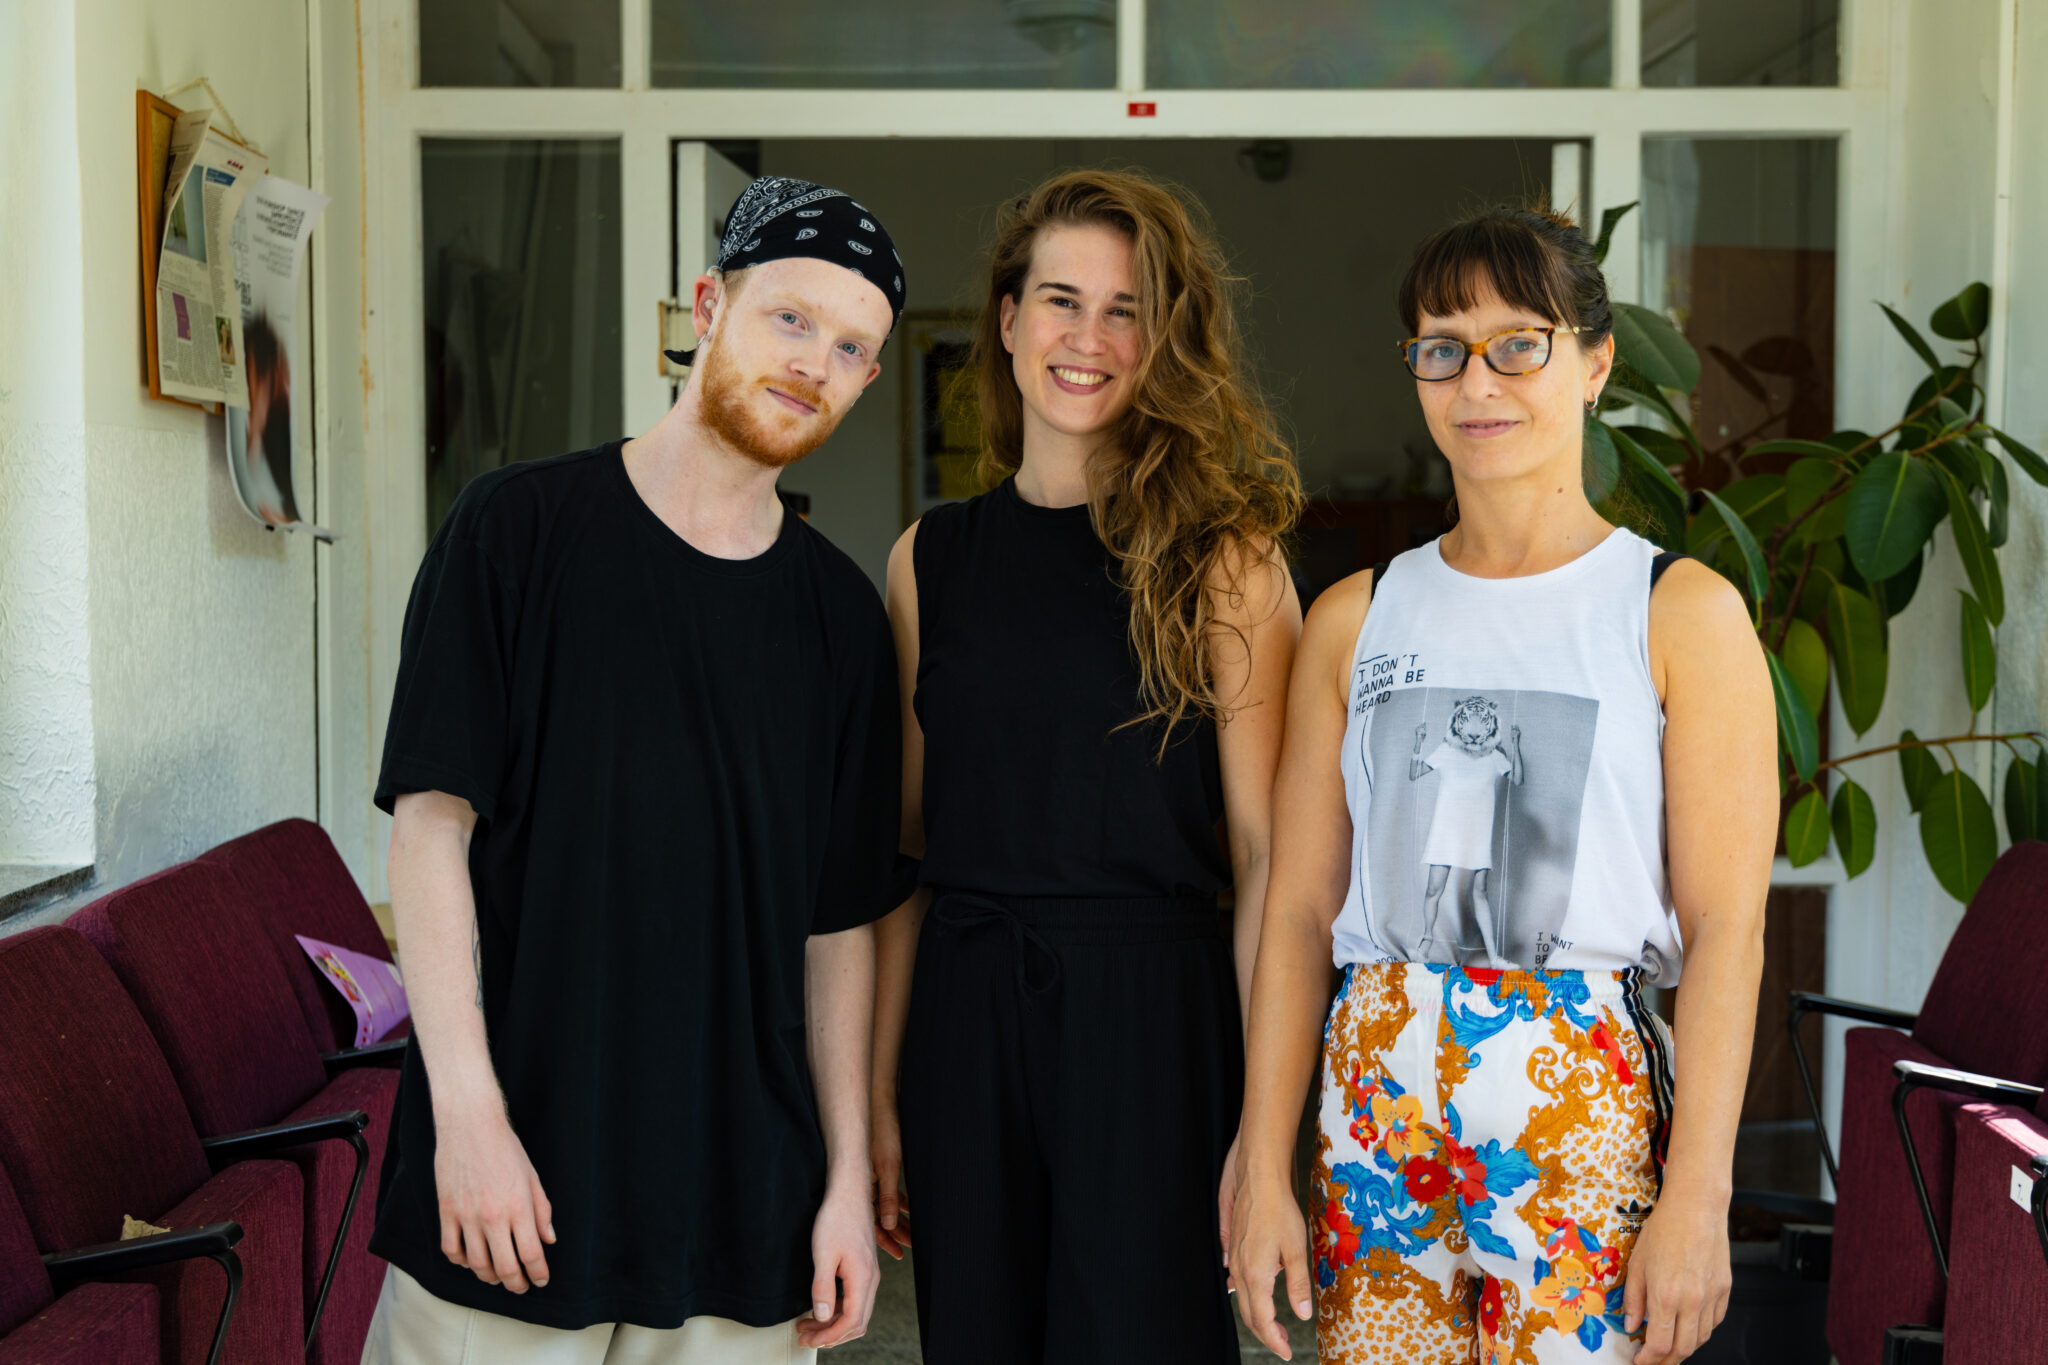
x: 1826, y: 541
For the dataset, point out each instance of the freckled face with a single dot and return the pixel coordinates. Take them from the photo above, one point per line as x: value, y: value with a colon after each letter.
x: 1073, y: 332
x: 795, y: 343
x: 1495, y: 426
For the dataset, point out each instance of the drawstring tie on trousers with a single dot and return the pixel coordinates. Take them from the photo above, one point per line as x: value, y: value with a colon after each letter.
x: 962, y: 911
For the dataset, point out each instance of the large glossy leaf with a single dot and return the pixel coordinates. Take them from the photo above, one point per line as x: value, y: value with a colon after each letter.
x: 1961, y: 462
x: 1973, y: 546
x: 1806, y: 659
x: 1805, y: 480
x: 1608, y: 222
x: 1914, y: 339
x: 2000, y: 504
x: 1599, y: 463
x: 1980, y: 655
x: 1894, y: 505
x: 1918, y: 770
x: 1628, y: 386
x: 1964, y: 317
x: 2036, y: 468
x: 1854, y: 818
x: 1895, y: 592
x: 1626, y: 441
x: 1814, y: 448
x: 1958, y: 834
x: 1654, y: 348
x: 1752, y: 553
x: 1954, y: 380
x: 1806, y: 829
x: 1796, y: 727
x: 2022, y: 801
x: 1856, y: 642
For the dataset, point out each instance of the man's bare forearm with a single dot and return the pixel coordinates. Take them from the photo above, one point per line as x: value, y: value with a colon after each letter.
x: 435, y: 913
x: 839, y: 1005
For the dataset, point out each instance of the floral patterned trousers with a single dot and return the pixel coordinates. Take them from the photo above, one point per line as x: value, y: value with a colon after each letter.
x: 1490, y: 1145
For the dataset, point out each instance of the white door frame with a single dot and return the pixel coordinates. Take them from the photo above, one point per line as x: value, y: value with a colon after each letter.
x: 1862, y: 113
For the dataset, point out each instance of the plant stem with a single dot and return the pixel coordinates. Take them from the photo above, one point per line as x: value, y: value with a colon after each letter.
x: 1943, y: 743
x: 1792, y: 602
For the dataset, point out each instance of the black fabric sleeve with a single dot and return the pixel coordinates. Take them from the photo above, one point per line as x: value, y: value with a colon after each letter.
x: 865, y: 876
x: 449, y: 708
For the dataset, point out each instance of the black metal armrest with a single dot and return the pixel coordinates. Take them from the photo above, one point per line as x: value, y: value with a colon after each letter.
x: 346, y: 1126
x: 139, y: 1253
x: 229, y: 1148
x: 1920, y: 1076
x: 389, y: 1053
x: 215, y: 1241
x: 2040, y: 1200
x: 1807, y: 1002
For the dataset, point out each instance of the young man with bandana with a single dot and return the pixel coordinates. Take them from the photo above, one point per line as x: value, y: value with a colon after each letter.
x: 643, y: 763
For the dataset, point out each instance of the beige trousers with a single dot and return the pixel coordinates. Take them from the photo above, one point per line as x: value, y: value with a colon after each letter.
x: 412, y: 1327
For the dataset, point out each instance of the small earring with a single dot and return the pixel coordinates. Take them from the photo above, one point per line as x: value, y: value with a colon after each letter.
x: 1591, y: 403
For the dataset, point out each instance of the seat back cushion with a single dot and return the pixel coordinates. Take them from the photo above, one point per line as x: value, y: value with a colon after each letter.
x: 91, y: 1124
x: 195, y: 958
x: 290, y: 873
x: 1987, y: 1008
x: 24, y: 1284
x: 1998, y: 1278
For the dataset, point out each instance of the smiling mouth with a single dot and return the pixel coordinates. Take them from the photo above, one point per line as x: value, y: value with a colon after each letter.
x: 1077, y: 380
x: 1492, y: 426
x: 793, y: 403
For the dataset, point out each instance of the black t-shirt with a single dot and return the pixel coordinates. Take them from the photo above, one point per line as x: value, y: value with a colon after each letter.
x: 682, y: 767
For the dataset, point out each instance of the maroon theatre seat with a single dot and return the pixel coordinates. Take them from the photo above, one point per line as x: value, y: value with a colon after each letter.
x: 92, y: 1127
x: 298, y: 884
x: 1987, y: 1012
x: 93, y: 1324
x: 193, y: 955
x: 1998, y: 1279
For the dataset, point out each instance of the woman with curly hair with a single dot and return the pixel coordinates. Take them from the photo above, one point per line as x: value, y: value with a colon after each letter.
x: 1093, y: 655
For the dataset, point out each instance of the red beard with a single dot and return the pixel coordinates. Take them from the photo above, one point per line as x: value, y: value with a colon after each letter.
x: 775, y: 441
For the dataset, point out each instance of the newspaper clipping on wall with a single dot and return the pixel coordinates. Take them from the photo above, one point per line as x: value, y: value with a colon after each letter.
x: 268, y: 250
x: 199, y: 326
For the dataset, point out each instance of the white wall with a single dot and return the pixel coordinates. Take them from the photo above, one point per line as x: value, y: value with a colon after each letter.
x: 200, y: 621
x: 46, y: 735
x: 1888, y: 928
x: 1324, y: 251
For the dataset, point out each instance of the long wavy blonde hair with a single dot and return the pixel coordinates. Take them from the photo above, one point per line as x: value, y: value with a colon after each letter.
x: 1195, y: 484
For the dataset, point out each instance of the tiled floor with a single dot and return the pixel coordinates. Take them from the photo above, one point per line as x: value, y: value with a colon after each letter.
x: 892, y: 1333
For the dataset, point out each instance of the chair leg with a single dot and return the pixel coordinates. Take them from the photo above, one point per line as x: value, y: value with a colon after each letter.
x: 348, y: 1213
x: 1899, y: 1094
x: 1820, y: 1127
x: 230, y: 1263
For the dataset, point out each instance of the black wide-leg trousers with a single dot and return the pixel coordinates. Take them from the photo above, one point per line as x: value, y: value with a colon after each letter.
x: 1072, y: 1072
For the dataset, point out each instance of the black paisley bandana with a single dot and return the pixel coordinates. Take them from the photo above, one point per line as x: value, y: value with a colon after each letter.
x: 776, y: 217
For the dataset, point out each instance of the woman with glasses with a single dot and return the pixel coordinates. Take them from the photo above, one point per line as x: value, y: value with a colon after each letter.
x: 1528, y: 773
x: 1094, y: 655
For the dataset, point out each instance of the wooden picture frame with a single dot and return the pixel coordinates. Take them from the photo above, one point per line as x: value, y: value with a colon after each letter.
x: 941, y: 427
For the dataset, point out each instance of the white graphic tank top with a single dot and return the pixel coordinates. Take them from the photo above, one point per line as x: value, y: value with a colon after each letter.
x: 1504, y: 765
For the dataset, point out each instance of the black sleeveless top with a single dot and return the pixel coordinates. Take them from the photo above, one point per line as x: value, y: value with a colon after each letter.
x: 1024, y: 672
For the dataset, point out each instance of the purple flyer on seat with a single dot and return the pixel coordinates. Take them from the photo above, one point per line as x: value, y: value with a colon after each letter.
x: 373, y: 988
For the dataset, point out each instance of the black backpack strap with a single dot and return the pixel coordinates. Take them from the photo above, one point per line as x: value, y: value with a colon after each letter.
x: 1378, y: 570
x: 1662, y: 562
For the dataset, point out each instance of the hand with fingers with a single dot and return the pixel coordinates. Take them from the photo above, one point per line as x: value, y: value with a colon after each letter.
x: 495, y: 1217
x: 892, y: 1206
x: 845, y: 1272
x: 1678, y: 1278
x: 1270, y: 1241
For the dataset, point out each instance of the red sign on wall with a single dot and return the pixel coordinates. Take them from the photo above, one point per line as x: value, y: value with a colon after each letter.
x: 1143, y: 109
